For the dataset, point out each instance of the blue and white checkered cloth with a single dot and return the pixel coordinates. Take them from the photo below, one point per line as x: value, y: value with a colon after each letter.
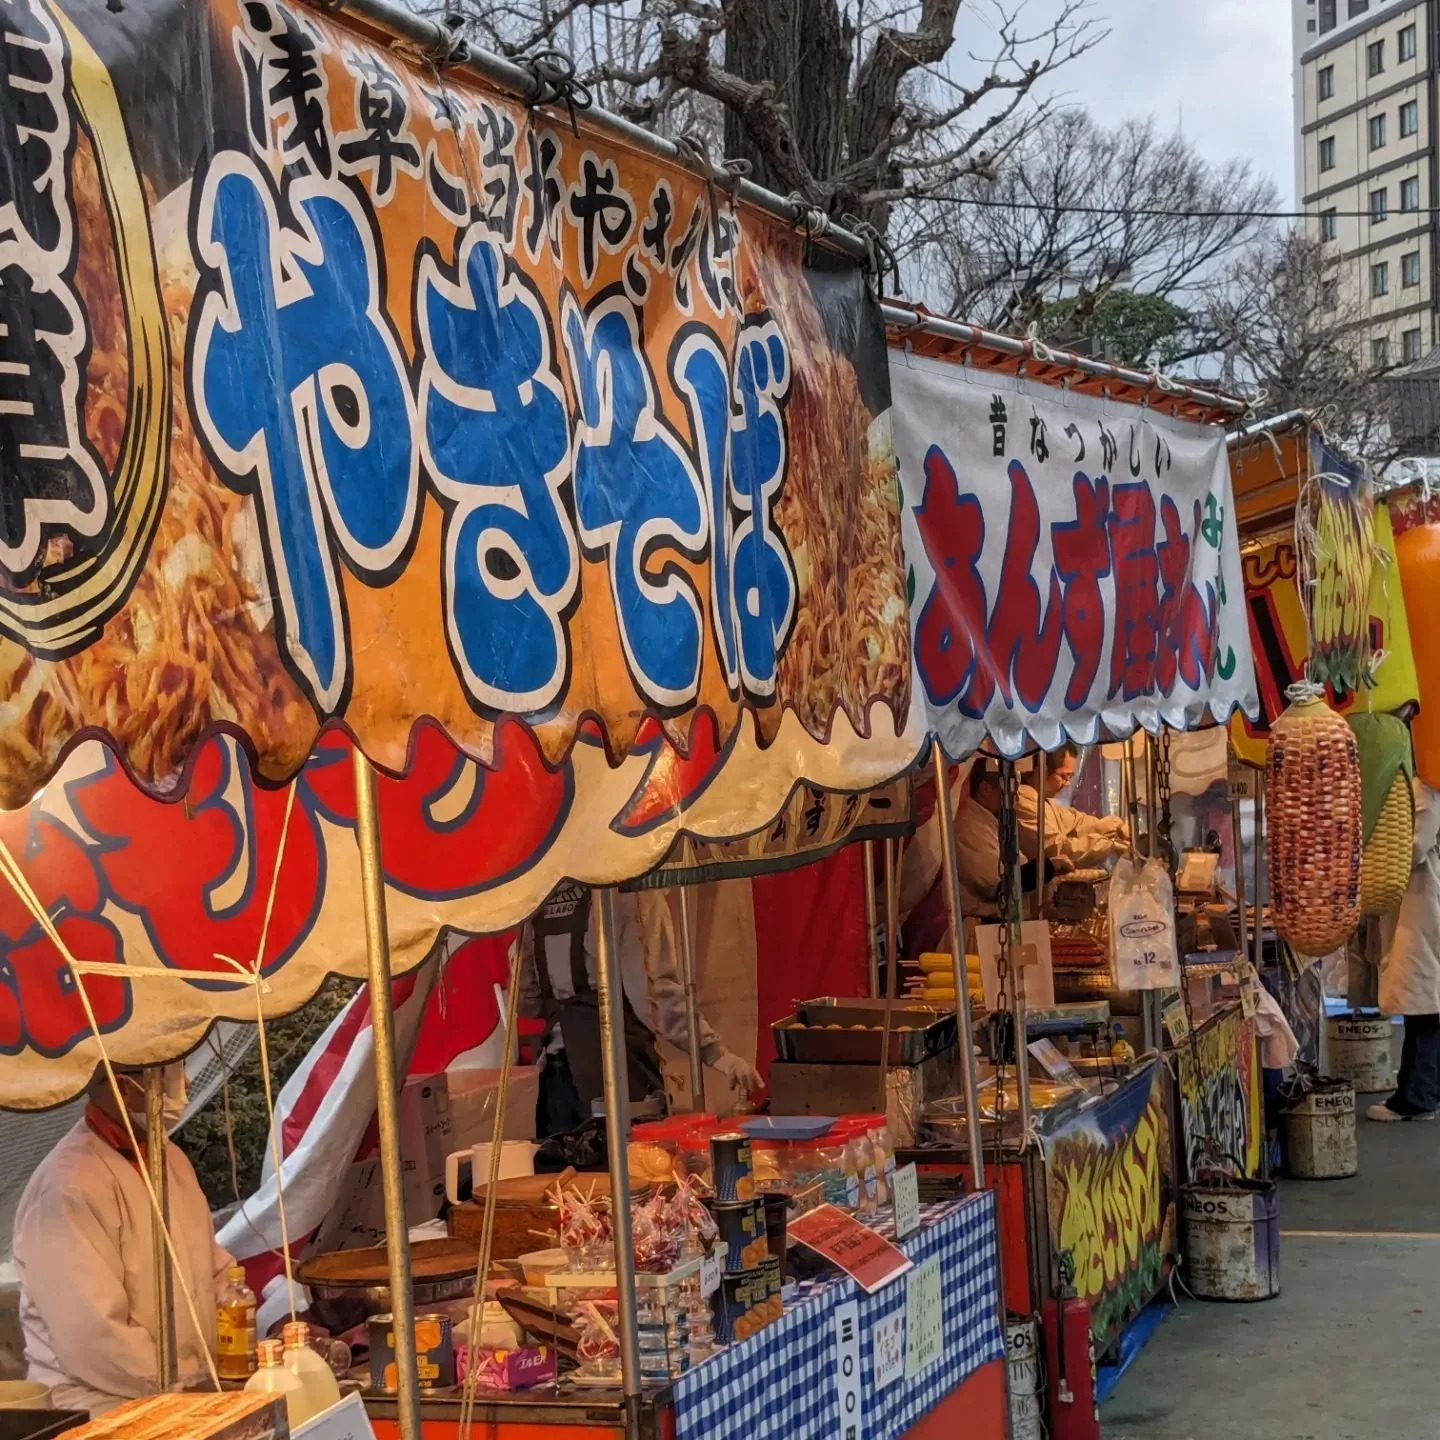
x: 781, y: 1382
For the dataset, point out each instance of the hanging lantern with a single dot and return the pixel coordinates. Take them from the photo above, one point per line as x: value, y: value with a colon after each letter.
x: 1313, y: 805
x: 1417, y: 552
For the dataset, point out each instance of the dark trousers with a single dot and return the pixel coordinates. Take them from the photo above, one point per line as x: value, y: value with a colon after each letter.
x: 1417, y: 1091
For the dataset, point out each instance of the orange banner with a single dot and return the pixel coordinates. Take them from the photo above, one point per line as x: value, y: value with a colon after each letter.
x: 338, y: 388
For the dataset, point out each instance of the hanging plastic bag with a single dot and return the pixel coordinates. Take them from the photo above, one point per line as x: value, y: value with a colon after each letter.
x: 1142, y: 926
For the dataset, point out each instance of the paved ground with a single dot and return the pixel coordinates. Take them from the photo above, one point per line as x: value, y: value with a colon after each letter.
x: 1347, y: 1352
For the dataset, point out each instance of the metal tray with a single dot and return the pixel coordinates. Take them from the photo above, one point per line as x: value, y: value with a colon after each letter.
x: 806, y: 1037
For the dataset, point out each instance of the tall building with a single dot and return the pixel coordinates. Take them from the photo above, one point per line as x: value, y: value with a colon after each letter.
x: 1367, y: 172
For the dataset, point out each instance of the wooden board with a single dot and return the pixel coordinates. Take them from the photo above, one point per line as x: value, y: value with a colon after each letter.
x: 236, y: 1416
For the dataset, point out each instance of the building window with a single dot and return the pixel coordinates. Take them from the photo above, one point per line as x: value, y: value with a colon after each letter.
x: 1410, y: 346
x: 1358, y: 7
x: 1329, y: 294
x: 1328, y: 225
x: 1410, y: 194
x: 1379, y: 206
x: 1379, y: 353
x: 1410, y: 269
x: 1379, y: 280
x: 1375, y: 58
x: 1406, y: 43
x: 1377, y: 132
x: 1328, y: 19
x: 1327, y: 82
x: 1410, y: 118
x: 1327, y: 153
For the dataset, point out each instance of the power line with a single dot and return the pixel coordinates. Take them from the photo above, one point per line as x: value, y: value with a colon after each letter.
x: 1151, y: 213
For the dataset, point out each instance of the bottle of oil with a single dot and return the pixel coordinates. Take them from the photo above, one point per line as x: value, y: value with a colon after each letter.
x: 274, y: 1377
x: 235, y: 1327
x: 318, y: 1387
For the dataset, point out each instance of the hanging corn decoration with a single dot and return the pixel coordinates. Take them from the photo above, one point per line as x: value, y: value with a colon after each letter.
x: 1313, y: 806
x: 1387, y: 810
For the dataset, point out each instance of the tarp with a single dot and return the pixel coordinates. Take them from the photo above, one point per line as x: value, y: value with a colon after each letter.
x: 155, y: 888
x: 337, y: 388
x: 1073, y: 563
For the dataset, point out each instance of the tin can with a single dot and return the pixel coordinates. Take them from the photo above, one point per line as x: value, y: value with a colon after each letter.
x: 434, y: 1353
x: 732, y: 1168
x: 742, y: 1234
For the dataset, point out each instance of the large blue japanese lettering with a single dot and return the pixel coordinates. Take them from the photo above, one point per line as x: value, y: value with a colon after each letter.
x: 497, y: 445
x: 740, y: 439
x: 636, y: 495
x: 301, y: 393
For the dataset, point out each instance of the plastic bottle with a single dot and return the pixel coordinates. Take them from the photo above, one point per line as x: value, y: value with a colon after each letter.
x: 318, y: 1387
x: 274, y: 1377
x: 235, y: 1327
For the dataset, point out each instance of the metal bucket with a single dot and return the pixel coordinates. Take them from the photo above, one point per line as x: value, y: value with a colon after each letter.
x: 1027, y: 1417
x: 1361, y: 1051
x: 1320, y: 1133
x: 1022, y: 1365
x: 1232, y: 1239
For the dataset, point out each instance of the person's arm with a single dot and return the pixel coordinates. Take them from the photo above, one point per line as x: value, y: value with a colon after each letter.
x: 1086, y: 840
x: 75, y: 1278
x: 530, y: 1003
x: 1027, y: 821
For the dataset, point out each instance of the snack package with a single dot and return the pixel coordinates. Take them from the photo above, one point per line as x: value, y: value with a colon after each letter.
x: 598, y: 1350
x: 521, y: 1368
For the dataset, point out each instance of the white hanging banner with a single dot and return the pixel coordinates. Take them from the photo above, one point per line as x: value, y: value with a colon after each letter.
x: 1072, y: 563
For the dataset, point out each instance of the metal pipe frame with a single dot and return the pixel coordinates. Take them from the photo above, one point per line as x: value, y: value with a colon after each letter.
x: 155, y: 1160
x: 892, y: 963
x: 617, y: 1142
x: 872, y: 948
x: 1042, y: 768
x: 1258, y: 936
x: 387, y: 1097
x: 692, y: 1005
x: 965, y: 1036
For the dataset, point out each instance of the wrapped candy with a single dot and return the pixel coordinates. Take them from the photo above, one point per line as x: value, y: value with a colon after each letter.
x: 657, y: 1235
x: 585, y: 1228
x: 692, y: 1217
x: 598, y: 1350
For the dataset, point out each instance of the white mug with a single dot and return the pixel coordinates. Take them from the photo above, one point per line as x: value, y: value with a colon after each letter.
x: 517, y: 1158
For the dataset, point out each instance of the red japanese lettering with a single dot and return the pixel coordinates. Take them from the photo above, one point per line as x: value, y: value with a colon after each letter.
x: 1137, y: 591
x: 220, y: 845
x: 950, y: 631
x: 1082, y: 560
x: 1021, y: 648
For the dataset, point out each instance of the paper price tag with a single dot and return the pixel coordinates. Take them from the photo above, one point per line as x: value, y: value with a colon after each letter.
x: 905, y: 1186
x: 1176, y: 1021
x: 888, y: 1343
x: 924, y: 1318
x: 1243, y: 781
x: 710, y: 1274
x: 849, y: 1397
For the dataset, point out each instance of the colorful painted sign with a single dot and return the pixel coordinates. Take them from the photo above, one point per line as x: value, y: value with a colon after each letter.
x: 341, y: 389
x: 1111, y: 1201
x: 1221, y: 1097
x: 1072, y: 563
x: 1277, y: 629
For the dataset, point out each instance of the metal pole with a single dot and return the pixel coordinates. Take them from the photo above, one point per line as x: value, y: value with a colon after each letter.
x: 1239, y: 876
x: 617, y: 1140
x: 387, y: 1103
x: 165, y: 1368
x: 692, y: 1004
x: 1258, y: 935
x: 892, y: 961
x: 949, y: 866
x: 1042, y: 767
x: 872, y: 947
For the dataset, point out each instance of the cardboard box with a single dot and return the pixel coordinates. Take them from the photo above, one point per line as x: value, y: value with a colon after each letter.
x: 236, y: 1416
x: 472, y: 1094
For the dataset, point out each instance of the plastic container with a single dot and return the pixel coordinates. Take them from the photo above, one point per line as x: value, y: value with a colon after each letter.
x: 318, y: 1388
x: 235, y: 1327
x: 274, y: 1377
x: 28, y: 1424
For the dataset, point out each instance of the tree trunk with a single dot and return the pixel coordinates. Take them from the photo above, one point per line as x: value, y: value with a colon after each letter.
x: 802, y: 49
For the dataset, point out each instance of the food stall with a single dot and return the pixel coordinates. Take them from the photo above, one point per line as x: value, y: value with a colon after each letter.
x: 422, y: 551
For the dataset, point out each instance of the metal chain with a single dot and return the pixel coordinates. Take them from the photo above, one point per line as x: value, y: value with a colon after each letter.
x: 1162, y: 788
x: 1006, y: 902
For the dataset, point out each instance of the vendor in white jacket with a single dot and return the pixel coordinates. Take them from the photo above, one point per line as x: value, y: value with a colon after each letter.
x: 84, y: 1257
x: 1410, y: 972
x: 1086, y: 841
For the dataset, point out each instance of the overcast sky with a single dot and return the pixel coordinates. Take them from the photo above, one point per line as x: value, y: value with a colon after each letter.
x: 1220, y: 67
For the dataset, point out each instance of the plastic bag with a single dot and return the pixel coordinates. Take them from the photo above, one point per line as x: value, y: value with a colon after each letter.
x: 1142, y: 926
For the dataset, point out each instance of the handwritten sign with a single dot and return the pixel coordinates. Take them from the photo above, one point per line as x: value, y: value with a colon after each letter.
x: 345, y: 1421
x: 869, y: 1259
x: 905, y: 1186
x: 1176, y: 1021
x: 849, y: 1397
x: 888, y: 1344
x: 924, y: 1318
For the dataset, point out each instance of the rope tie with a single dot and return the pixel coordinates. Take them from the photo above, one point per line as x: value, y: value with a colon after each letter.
x: 552, y: 73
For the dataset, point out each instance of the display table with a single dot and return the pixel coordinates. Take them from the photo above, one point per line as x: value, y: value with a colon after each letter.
x: 781, y: 1383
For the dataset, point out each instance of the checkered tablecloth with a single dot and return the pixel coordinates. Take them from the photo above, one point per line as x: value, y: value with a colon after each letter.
x: 781, y: 1382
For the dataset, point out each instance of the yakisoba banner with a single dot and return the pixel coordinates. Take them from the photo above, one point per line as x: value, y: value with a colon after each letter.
x: 338, y: 388
x: 1073, y: 563
x: 161, y: 902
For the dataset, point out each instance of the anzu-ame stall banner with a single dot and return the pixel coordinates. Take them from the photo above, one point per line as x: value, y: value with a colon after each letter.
x: 161, y: 897
x: 1111, y: 1201
x: 1073, y: 563
x: 339, y: 388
